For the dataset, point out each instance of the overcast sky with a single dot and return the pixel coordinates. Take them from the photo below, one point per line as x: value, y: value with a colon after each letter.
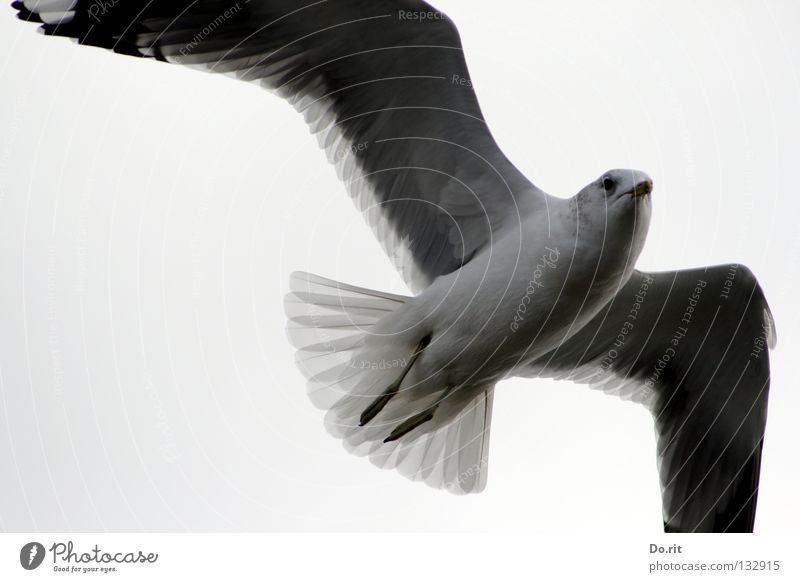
x: 150, y: 216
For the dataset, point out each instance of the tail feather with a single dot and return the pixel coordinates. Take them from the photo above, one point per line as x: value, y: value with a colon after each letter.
x: 358, y: 371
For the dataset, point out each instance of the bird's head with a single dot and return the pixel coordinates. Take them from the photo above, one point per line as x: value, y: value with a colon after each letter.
x: 617, y: 198
x: 613, y: 213
x: 616, y: 184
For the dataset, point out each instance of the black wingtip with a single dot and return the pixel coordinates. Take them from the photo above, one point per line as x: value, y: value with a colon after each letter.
x: 23, y: 13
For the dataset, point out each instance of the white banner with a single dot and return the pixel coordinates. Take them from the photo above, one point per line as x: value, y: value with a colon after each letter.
x: 352, y: 557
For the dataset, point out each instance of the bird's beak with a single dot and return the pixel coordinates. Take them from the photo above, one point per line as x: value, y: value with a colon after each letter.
x: 642, y: 188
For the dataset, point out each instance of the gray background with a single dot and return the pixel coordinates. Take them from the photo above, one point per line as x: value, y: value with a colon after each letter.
x: 150, y: 216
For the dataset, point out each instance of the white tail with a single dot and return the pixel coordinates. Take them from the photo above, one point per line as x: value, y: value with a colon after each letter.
x: 359, y: 374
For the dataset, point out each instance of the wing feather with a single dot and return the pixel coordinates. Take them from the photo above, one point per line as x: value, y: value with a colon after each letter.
x: 693, y: 347
x: 372, y: 82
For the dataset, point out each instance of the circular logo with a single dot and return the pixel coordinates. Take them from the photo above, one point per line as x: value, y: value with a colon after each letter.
x: 31, y: 555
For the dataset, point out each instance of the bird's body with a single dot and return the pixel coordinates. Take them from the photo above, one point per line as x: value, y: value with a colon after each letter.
x: 509, y: 280
x: 534, y: 287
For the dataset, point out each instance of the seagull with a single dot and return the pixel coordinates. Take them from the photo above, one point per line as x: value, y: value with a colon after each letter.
x: 507, y: 279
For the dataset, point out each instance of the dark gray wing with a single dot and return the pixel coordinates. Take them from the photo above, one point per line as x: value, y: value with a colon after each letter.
x: 383, y: 84
x: 693, y: 347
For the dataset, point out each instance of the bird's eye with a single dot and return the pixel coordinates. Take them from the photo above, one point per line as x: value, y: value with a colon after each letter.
x: 608, y: 184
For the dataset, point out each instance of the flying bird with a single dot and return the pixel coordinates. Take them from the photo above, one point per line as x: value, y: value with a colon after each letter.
x: 508, y: 280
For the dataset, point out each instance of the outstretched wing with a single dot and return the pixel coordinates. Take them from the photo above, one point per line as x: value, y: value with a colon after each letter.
x: 382, y: 83
x: 693, y: 347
